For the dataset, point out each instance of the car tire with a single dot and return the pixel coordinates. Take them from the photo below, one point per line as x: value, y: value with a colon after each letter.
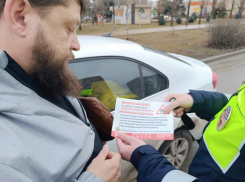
x: 177, y: 150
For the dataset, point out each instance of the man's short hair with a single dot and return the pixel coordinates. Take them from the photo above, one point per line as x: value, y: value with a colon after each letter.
x: 42, y: 6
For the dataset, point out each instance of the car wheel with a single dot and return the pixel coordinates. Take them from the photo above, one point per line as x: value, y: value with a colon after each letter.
x: 177, y: 150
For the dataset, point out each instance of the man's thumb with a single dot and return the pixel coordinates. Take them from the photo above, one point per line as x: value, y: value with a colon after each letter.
x: 126, y: 138
x: 104, y: 152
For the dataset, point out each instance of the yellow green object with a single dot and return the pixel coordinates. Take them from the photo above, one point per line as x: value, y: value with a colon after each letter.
x: 87, y: 92
x: 224, y: 145
x: 108, y: 91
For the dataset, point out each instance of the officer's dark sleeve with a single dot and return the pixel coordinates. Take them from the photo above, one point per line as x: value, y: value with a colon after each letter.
x: 207, y: 104
x: 153, y: 166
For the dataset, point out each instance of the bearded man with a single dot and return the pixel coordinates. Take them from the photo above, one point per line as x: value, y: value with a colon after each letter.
x: 45, y: 134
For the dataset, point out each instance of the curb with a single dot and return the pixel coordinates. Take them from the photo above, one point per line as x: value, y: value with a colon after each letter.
x: 223, y: 56
x: 156, y: 30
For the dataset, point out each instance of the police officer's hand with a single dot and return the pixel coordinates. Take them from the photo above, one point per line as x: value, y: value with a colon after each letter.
x: 127, y: 145
x: 183, y: 101
x: 107, y: 165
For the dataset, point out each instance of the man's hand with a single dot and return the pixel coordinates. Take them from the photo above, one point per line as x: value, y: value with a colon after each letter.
x: 107, y: 165
x: 183, y: 101
x: 127, y: 145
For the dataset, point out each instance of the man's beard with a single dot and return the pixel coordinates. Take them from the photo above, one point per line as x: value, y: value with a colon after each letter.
x: 51, y: 70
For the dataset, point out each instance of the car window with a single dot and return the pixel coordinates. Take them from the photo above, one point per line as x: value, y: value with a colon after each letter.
x: 153, y: 82
x: 109, y: 78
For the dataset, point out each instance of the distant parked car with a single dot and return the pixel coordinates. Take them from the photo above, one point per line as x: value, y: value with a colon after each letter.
x: 167, y: 17
x: 87, y: 18
x: 155, y: 18
x: 110, y: 68
x: 204, y: 15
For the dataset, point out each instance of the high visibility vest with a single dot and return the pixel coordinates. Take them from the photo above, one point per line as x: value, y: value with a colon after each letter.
x: 224, y: 145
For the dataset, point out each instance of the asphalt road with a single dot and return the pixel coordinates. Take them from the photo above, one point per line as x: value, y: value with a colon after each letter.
x: 231, y: 74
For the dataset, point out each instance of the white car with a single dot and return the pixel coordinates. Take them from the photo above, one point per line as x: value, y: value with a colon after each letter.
x: 109, y: 68
x: 87, y: 18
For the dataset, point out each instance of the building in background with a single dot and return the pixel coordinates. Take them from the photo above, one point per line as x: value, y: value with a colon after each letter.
x: 132, y: 14
x: 142, y: 14
x: 237, y: 5
x: 122, y: 14
x: 195, y: 6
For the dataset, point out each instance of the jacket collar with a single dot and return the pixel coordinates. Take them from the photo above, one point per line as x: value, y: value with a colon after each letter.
x: 3, y: 60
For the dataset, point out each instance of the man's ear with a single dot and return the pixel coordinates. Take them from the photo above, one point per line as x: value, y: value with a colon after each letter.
x: 15, y: 12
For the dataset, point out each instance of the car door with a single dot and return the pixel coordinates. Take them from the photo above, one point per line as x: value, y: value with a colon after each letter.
x: 107, y: 78
x: 110, y: 77
x: 156, y: 89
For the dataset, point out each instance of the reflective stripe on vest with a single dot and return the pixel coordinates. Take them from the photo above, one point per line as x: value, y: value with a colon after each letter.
x: 177, y: 176
x: 224, y: 146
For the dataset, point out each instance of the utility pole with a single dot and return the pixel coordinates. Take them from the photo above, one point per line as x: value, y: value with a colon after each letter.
x: 200, y: 15
x: 188, y: 12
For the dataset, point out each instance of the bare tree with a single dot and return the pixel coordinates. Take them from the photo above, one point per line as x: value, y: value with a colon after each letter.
x: 138, y: 2
x: 88, y: 12
x: 232, y: 7
x: 213, y: 8
x: 241, y: 7
x: 174, y: 6
x: 200, y: 14
x: 222, y: 4
x: 188, y: 12
x: 226, y: 33
x: 176, y: 9
x: 203, y: 4
x: 220, y: 10
x: 161, y: 5
x: 100, y: 7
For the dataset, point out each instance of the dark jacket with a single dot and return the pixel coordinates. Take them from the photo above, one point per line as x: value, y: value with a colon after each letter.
x: 154, y: 167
